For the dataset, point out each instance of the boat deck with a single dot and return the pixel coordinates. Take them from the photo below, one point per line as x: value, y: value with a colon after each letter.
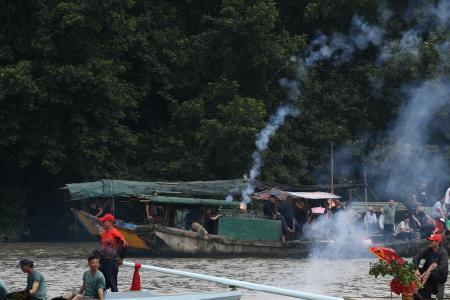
x: 142, y: 295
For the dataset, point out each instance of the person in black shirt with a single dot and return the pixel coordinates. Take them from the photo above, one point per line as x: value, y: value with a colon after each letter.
x: 301, y: 214
x: 287, y: 211
x: 270, y: 210
x: 417, y: 220
x: 436, y: 261
x: 95, y: 209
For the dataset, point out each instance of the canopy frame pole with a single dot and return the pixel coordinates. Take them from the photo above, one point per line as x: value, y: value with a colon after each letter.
x: 332, y: 167
x: 237, y: 283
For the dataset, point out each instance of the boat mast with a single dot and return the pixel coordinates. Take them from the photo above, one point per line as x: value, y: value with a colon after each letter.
x: 332, y: 167
x: 365, y: 187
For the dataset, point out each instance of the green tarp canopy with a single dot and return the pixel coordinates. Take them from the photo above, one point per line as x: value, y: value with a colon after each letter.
x: 217, y: 188
x: 191, y: 201
x: 124, y: 188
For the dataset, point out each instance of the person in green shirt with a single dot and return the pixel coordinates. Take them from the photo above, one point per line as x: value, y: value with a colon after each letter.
x: 93, y: 282
x: 3, y: 290
x: 389, y: 221
x: 35, y: 281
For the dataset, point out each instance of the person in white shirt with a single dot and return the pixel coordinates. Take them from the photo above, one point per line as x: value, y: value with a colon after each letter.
x: 447, y: 197
x: 370, y: 220
x: 403, y: 231
x: 439, y: 210
x: 381, y: 220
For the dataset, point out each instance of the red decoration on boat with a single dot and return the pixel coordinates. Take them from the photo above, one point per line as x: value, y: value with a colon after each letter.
x: 136, y: 284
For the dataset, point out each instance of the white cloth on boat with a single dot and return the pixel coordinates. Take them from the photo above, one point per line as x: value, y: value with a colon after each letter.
x: 447, y: 196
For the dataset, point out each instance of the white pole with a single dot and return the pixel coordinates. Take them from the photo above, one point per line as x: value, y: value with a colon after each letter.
x: 238, y: 283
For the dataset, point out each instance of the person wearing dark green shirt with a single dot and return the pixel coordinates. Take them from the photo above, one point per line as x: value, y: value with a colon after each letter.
x: 35, y: 281
x: 93, y: 282
x: 389, y: 221
x: 3, y: 290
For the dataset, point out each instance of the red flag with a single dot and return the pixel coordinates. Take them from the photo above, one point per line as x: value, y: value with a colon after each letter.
x: 136, y: 284
x: 387, y: 254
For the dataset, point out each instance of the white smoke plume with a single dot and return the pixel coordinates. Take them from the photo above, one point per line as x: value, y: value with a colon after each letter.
x: 405, y: 160
x: 404, y: 157
x: 339, y: 48
x: 262, y: 142
x: 335, y: 236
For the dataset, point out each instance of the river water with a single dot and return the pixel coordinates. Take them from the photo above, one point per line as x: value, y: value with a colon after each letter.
x: 63, y: 264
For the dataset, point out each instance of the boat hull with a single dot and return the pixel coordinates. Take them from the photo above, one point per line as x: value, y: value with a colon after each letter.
x: 93, y: 226
x: 154, y: 240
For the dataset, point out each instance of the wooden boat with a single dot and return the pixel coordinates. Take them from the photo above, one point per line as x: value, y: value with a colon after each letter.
x: 174, y: 242
x: 236, y: 233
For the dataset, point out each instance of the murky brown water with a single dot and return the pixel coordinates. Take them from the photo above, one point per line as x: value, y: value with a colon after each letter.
x: 63, y: 266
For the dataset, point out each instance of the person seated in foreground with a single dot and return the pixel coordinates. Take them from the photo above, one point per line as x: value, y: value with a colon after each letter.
x: 93, y: 282
x: 403, y: 231
x: 35, y: 281
x: 435, y: 268
x: 3, y: 290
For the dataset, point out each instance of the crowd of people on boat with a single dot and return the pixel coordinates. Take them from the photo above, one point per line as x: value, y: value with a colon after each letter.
x: 299, y: 219
x: 416, y: 223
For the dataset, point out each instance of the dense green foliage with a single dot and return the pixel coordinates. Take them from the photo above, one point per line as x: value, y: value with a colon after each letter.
x: 178, y: 90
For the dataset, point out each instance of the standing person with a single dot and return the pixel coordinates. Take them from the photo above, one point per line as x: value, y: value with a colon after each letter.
x: 447, y: 198
x: 435, y: 267
x: 301, y: 214
x: 287, y: 211
x: 439, y: 211
x: 93, y: 282
x: 389, y: 221
x: 381, y: 220
x: 35, y: 281
x: 3, y: 290
x: 422, y: 194
x: 417, y: 220
x: 112, y: 246
x: 270, y: 208
x: 370, y: 220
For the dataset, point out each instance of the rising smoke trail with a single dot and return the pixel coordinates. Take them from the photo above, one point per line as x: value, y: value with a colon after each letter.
x: 339, y: 48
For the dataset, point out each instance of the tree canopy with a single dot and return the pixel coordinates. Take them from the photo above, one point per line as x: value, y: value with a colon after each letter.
x: 178, y: 90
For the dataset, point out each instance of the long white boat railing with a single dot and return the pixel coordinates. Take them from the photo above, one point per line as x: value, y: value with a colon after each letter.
x: 238, y: 283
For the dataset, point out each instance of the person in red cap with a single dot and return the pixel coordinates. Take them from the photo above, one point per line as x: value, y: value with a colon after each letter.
x: 435, y: 268
x: 111, y: 253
